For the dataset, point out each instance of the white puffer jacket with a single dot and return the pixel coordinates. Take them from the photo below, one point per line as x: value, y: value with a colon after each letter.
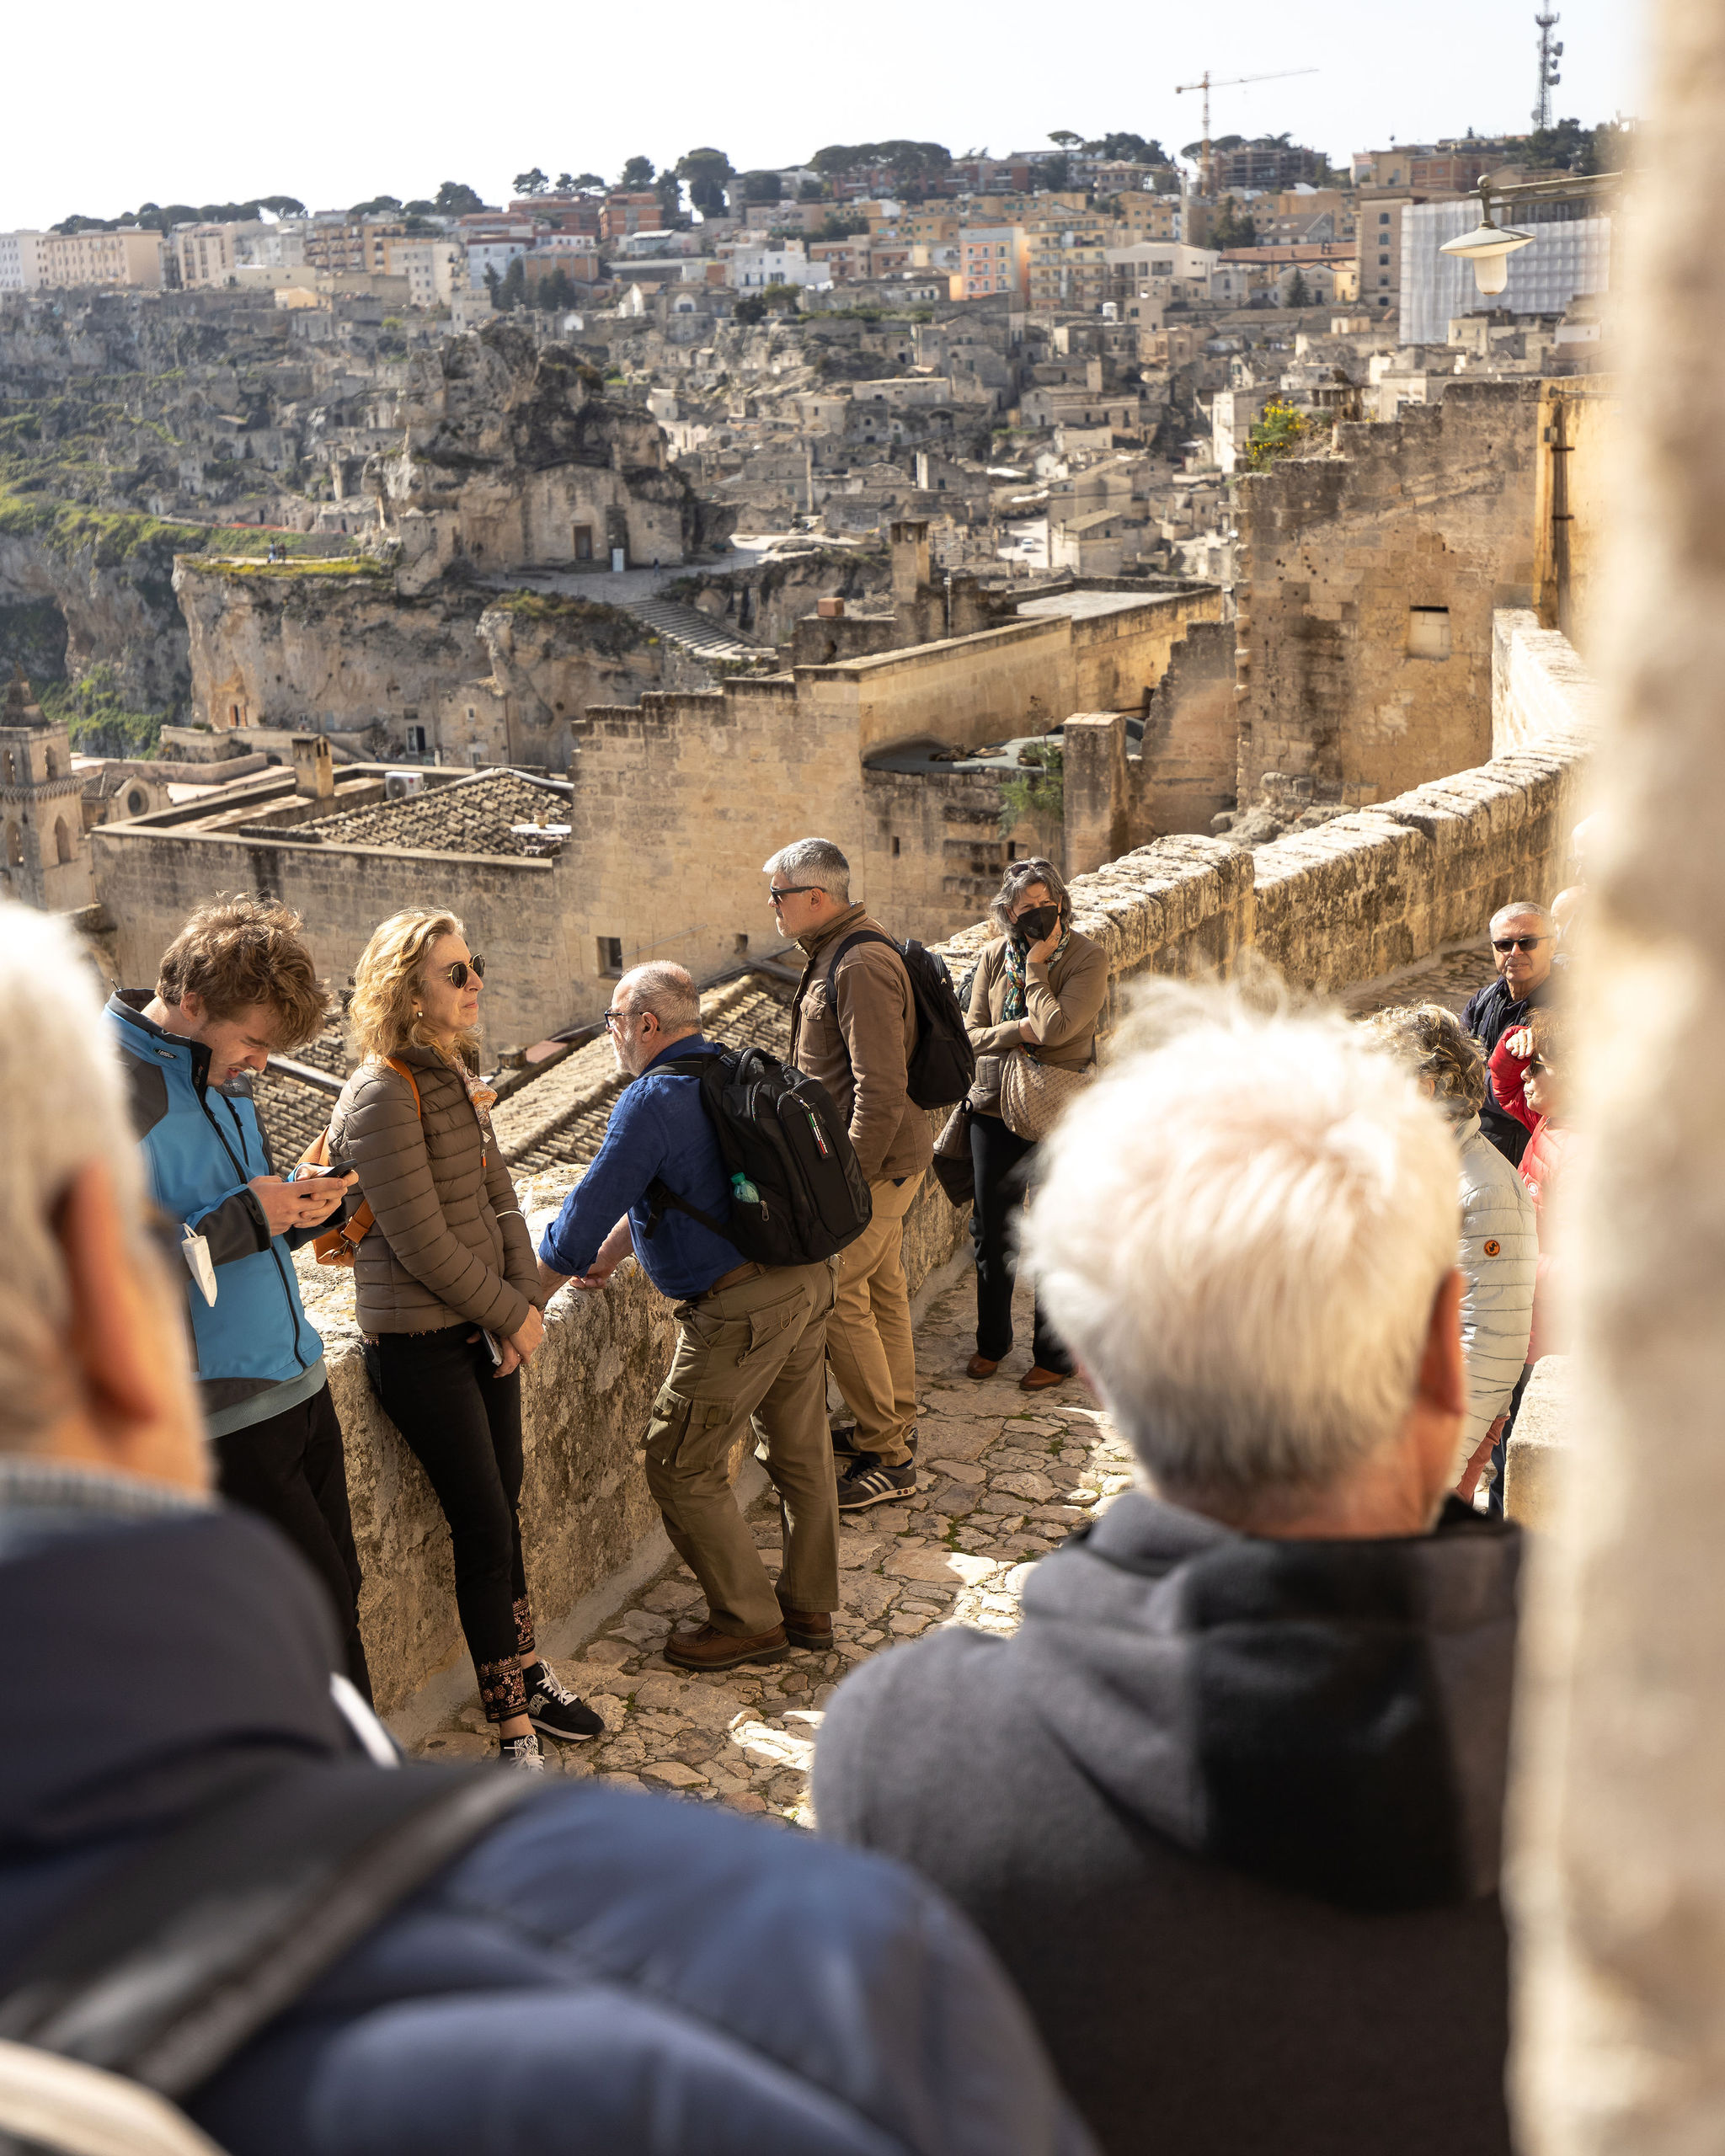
x: 1499, y: 1258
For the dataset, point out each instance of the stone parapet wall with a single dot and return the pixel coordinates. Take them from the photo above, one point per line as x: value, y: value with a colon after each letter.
x: 1361, y: 896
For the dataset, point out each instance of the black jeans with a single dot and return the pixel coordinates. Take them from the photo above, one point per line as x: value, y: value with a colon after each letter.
x: 1003, y: 1163
x: 462, y: 1423
x: 291, y: 1468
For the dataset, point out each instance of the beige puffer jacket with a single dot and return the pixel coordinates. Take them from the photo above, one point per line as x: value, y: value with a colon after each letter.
x: 449, y: 1242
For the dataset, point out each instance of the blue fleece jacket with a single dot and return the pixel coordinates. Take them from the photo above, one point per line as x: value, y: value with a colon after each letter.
x: 256, y: 1352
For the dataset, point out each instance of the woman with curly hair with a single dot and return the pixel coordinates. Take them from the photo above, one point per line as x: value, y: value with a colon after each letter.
x: 447, y: 1290
x: 1499, y: 1252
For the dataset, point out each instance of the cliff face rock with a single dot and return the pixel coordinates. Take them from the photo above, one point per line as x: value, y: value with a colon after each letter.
x: 322, y: 646
x: 552, y: 657
x: 109, y: 581
x: 509, y: 458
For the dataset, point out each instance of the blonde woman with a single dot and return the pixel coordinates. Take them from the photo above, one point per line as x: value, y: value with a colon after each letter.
x: 448, y: 1295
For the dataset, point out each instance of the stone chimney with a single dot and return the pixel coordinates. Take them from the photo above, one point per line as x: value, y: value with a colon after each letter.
x: 313, y: 767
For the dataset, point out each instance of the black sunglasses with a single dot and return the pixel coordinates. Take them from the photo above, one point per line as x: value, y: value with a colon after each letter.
x: 456, y: 974
x: 789, y: 891
x: 1516, y: 942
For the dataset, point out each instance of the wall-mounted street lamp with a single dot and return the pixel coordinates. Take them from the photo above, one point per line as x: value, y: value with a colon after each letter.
x: 1489, y: 246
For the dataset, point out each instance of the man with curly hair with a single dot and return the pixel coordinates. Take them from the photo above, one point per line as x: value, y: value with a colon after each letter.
x: 235, y: 986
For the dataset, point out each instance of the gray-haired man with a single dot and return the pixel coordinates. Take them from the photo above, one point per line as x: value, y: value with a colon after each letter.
x: 1241, y: 1768
x: 1524, y: 944
x: 854, y: 1030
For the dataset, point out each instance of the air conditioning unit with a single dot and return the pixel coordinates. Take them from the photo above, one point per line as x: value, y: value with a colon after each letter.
x: 402, y: 786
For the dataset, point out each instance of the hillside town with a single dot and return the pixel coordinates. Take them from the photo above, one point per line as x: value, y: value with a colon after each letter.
x: 855, y: 917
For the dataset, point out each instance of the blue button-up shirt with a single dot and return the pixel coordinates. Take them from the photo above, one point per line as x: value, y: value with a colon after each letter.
x: 658, y: 1129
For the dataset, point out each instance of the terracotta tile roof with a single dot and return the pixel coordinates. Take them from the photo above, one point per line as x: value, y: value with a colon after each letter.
x: 474, y: 815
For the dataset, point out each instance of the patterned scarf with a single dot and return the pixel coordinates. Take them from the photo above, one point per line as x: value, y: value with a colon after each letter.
x: 1017, y: 951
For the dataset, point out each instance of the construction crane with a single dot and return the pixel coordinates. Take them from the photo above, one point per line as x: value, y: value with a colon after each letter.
x: 1206, y: 176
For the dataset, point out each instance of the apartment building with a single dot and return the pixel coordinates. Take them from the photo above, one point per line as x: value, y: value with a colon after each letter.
x: 1142, y: 216
x: 991, y: 258
x: 21, y: 261
x: 433, y: 268
x: 1068, y: 271
x: 335, y: 241
x: 208, y: 255
x: 126, y: 256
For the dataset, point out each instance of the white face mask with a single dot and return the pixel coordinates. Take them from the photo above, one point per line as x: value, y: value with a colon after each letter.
x: 195, y: 1250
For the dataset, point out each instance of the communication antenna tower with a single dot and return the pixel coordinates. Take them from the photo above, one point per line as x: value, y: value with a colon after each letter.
x: 1550, y: 52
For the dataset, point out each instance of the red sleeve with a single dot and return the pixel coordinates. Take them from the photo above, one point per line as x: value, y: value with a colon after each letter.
x: 1506, y: 1083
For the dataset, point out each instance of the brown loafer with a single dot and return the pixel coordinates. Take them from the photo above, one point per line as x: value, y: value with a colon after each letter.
x: 978, y: 1366
x: 709, y: 1649
x: 1037, y: 1379
x: 807, y: 1628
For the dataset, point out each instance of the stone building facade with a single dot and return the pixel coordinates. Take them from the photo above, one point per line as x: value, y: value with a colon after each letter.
x: 44, y: 858
x: 1368, y: 586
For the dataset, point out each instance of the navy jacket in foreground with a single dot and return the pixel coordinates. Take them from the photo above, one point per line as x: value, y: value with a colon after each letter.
x: 603, y: 1973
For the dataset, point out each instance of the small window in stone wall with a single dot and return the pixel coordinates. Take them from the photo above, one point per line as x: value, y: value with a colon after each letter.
x: 610, y: 954
x: 1428, y: 632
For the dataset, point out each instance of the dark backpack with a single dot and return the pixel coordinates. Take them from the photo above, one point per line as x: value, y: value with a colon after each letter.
x: 797, y: 1193
x: 943, y: 1062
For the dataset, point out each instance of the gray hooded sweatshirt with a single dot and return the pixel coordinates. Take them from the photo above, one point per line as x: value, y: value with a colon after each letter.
x: 1229, y: 1810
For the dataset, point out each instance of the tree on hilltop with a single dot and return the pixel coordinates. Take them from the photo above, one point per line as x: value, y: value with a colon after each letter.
x: 531, y: 182
x: 452, y: 200
x: 637, y: 175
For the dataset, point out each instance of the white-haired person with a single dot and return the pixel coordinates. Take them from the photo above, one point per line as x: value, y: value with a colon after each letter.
x: 446, y: 1294
x: 1499, y: 1252
x: 1524, y: 941
x: 1228, y: 1804
x: 592, y: 1968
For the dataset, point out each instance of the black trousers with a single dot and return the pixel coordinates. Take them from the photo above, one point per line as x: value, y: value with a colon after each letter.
x: 1003, y: 1163
x: 462, y: 1423
x: 291, y: 1468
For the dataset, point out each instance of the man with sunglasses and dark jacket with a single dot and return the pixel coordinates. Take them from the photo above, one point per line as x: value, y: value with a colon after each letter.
x: 235, y: 986
x: 1523, y: 943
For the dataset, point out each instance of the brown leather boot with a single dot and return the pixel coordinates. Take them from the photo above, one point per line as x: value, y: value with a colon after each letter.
x: 807, y: 1628
x: 708, y: 1648
x: 978, y: 1366
x: 1037, y: 1379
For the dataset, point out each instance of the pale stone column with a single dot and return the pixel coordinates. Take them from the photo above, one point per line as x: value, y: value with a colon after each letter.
x: 1619, y: 1818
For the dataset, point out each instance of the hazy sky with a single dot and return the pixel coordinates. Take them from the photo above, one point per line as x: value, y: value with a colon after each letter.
x: 218, y: 102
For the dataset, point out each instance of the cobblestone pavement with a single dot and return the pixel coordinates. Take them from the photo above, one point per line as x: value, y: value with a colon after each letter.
x: 1004, y: 1476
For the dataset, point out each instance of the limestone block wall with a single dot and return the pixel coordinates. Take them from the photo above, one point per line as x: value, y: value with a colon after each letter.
x: 1020, y: 679
x: 1117, y: 658
x: 1187, y: 767
x: 677, y: 802
x: 1540, y: 687
x: 933, y: 853
x: 149, y: 878
x: 1370, y: 579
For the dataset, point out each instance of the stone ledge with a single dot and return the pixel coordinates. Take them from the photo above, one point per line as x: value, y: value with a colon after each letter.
x: 1533, y: 1466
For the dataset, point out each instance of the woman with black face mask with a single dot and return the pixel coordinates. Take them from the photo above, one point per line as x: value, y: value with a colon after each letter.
x: 1034, y: 1003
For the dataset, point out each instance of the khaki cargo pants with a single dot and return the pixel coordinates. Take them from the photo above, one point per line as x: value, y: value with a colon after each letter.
x: 869, y: 1342
x: 755, y: 1350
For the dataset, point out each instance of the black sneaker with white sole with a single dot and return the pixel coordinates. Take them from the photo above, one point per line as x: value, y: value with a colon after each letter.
x: 871, y: 1482
x: 554, y: 1709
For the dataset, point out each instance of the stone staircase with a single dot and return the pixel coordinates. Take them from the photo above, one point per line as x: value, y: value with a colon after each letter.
x: 694, y: 630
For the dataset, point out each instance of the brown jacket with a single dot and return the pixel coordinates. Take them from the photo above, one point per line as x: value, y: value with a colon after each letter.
x: 1063, y: 999
x: 449, y: 1241
x: 855, y: 1033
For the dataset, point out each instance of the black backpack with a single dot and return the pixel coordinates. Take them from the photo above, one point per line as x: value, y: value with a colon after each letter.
x: 797, y: 1193
x: 943, y: 1062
